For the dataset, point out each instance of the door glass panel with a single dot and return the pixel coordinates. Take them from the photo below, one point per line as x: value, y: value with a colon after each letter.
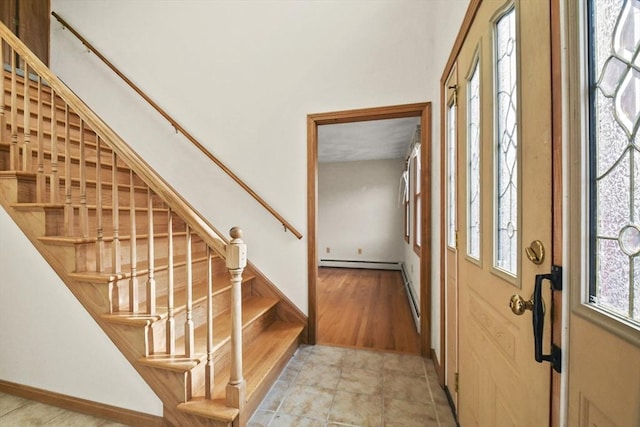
x: 614, y: 152
x: 451, y: 176
x: 473, y: 136
x: 506, y: 236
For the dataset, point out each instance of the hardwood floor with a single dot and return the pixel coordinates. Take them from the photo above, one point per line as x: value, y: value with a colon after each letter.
x: 365, y: 309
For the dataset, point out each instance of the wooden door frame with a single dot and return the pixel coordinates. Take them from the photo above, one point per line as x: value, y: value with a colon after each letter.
x: 422, y: 110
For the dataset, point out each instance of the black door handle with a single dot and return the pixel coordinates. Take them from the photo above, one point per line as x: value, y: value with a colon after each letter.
x: 538, y: 319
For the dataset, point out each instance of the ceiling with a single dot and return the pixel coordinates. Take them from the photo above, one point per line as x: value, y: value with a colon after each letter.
x: 368, y: 140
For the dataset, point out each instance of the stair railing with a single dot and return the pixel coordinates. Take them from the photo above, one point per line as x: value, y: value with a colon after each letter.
x: 96, y: 157
x: 287, y: 226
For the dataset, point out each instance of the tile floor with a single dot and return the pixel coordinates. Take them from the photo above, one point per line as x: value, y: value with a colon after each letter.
x: 18, y: 412
x: 321, y: 386
x: 331, y: 386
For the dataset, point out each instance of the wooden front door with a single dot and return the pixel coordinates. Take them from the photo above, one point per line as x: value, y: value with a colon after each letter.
x: 29, y: 20
x: 503, y: 201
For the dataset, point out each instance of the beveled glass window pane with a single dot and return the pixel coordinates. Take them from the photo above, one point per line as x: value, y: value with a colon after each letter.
x: 614, y: 151
x: 473, y: 150
x: 451, y: 175
x: 506, y: 161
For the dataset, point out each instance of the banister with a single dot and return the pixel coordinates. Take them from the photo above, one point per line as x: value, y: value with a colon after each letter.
x: 166, y: 192
x: 179, y: 128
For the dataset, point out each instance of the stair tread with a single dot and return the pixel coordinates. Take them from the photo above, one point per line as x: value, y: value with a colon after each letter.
x: 252, y: 309
x: 259, y: 357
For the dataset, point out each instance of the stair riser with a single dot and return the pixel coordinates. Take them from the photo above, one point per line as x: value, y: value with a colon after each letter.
x: 56, y: 222
x: 106, y: 172
x: 88, y: 251
x: 161, y: 285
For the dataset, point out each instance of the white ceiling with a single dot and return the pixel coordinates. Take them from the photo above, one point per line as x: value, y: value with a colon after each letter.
x: 370, y: 140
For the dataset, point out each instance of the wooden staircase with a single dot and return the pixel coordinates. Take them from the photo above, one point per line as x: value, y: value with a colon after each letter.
x: 157, y: 277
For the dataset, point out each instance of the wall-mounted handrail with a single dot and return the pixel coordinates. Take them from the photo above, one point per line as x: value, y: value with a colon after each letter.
x: 179, y: 128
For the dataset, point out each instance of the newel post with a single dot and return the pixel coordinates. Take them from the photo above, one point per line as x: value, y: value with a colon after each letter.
x: 236, y: 262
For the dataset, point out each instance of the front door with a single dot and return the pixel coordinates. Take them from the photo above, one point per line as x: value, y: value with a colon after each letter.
x: 503, y: 95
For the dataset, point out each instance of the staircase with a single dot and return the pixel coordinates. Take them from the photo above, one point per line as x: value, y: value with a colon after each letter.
x: 207, y: 331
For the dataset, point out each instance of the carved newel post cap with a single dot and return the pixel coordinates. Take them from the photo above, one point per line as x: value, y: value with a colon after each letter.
x: 236, y: 233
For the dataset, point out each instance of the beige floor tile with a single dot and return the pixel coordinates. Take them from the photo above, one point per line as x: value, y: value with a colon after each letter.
x: 362, y: 359
x: 356, y: 409
x: 284, y: 420
x: 30, y: 414
x: 307, y: 401
x: 73, y: 419
x: 261, y: 418
x: 360, y: 381
x: 409, y: 414
x: 401, y: 387
x: 288, y: 375
x: 325, y: 355
x: 317, y: 375
x: 404, y: 364
x: 274, y: 397
x: 9, y: 403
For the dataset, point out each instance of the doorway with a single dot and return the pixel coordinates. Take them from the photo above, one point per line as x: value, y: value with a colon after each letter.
x: 423, y: 111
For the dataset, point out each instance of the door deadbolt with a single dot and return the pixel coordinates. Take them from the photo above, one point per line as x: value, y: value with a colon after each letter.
x: 535, y: 252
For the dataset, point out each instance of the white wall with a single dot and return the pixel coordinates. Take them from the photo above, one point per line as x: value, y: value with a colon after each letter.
x: 240, y: 76
x: 358, y: 208
x: 49, y: 341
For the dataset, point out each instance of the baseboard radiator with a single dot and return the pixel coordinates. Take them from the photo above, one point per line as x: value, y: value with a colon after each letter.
x: 369, y: 265
x: 411, y: 295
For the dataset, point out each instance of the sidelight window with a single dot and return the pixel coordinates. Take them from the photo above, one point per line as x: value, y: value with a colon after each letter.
x: 614, y: 158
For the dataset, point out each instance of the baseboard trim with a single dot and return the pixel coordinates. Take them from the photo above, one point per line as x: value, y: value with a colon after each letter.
x: 70, y: 403
x: 368, y: 265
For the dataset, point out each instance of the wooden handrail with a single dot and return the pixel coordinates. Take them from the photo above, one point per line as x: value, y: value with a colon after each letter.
x: 179, y: 128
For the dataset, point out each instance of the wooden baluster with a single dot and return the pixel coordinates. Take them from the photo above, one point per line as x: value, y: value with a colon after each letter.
x: 13, y: 149
x: 116, y: 265
x: 209, y: 370
x: 151, y: 282
x: 188, y: 325
x: 55, y: 178
x: 26, y: 148
x: 3, y: 119
x: 40, y: 178
x: 84, y: 210
x: 68, y: 206
x: 99, y: 225
x: 236, y: 262
x: 171, y: 322
x: 133, y: 242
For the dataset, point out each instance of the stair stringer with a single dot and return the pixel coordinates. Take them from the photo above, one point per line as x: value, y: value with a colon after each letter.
x: 130, y: 340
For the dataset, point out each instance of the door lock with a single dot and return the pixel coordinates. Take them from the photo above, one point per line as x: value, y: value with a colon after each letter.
x: 535, y: 252
x: 519, y: 305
